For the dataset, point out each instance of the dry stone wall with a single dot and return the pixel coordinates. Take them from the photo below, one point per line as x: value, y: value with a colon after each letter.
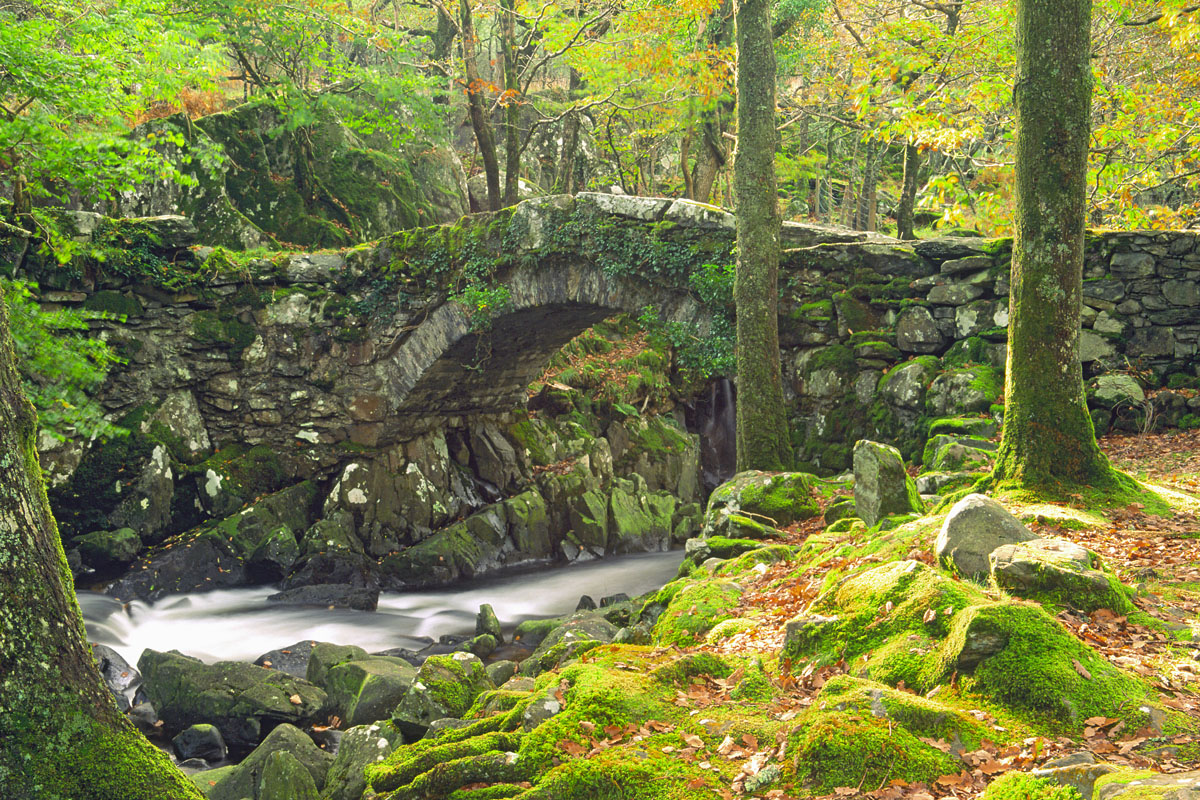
x: 352, y: 374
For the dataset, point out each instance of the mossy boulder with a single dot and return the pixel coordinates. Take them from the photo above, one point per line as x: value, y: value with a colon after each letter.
x: 882, y: 487
x: 978, y: 427
x: 967, y: 390
x: 462, y: 550
x: 528, y: 526
x: 961, y: 456
x: 1059, y: 572
x: 577, y: 635
x: 905, y: 385
x: 445, y: 686
x: 243, y: 700
x: 366, y: 690
x: 244, y: 780
x: 773, y: 499
x: 914, y: 625
x: 360, y: 747
x: 976, y: 526
x: 325, y: 656
x: 861, y: 732
x: 285, y: 778
x: 274, y: 555
x: 839, y: 508
x: 109, y: 549
x: 698, y: 550
x: 1147, y: 785
x: 1023, y: 786
x: 1114, y: 392
x: 693, y: 609
x: 639, y: 521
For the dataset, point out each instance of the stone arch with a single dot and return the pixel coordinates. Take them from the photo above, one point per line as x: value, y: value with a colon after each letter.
x: 443, y: 368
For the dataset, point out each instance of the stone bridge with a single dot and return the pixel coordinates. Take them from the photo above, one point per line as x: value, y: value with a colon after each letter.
x: 558, y: 259
x: 371, y: 345
x: 373, y: 371
x: 310, y: 353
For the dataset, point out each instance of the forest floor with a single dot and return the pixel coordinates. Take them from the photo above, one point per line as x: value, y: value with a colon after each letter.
x: 1157, y: 555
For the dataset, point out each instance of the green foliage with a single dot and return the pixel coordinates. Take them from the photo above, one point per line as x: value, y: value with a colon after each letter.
x: 60, y: 363
x: 482, y: 302
x: 74, y: 74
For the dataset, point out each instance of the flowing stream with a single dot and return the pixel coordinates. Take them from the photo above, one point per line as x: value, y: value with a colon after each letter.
x: 240, y: 625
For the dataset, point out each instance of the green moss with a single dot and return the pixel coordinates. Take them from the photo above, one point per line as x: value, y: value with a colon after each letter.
x: 754, y: 686
x: 1040, y: 668
x: 1023, y: 786
x: 836, y: 357
x: 115, y: 303
x: 694, y: 610
x: 832, y: 749
x: 691, y: 665
x: 82, y: 758
x: 217, y: 329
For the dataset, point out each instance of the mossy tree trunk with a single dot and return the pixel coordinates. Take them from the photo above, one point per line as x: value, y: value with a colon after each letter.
x: 61, y: 735
x: 762, y: 431
x: 1048, y: 436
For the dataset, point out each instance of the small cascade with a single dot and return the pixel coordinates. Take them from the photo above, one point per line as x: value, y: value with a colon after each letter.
x: 240, y: 624
x: 715, y: 420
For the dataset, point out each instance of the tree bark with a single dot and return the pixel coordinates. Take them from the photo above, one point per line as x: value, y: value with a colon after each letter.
x: 484, y: 136
x: 908, y: 193
x: 512, y: 105
x: 61, y: 735
x: 1048, y: 437
x: 762, y: 429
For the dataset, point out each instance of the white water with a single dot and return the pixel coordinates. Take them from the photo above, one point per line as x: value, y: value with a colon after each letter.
x: 240, y: 625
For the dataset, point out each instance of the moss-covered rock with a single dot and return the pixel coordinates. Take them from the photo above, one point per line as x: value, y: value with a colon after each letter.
x: 905, y: 622
x: 774, y: 499
x: 1023, y: 786
x: 445, y: 686
x: 693, y: 609
x: 243, y: 700
x: 882, y: 487
x: 285, y: 778
x: 109, y: 549
x: 1147, y: 785
x: 1058, y: 572
x: 639, y: 521
x: 359, y: 748
x: 567, y: 641
x: 859, y: 732
x: 366, y: 690
x: 244, y: 780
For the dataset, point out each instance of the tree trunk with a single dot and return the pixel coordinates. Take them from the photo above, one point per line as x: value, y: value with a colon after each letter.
x: 762, y: 430
x: 908, y: 193
x: 484, y: 136
x: 61, y: 736
x: 443, y: 42
x: 864, y: 214
x: 712, y: 155
x: 564, y: 173
x: 1048, y: 436
x: 512, y: 109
